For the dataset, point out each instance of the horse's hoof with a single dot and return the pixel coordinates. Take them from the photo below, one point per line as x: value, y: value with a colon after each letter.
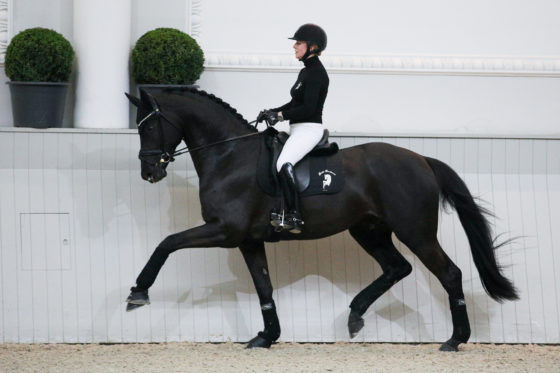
x: 132, y: 306
x: 355, y: 324
x: 137, y: 299
x: 259, y: 341
x: 450, y: 345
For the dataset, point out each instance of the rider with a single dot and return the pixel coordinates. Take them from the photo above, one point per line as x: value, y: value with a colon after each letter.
x: 304, y: 112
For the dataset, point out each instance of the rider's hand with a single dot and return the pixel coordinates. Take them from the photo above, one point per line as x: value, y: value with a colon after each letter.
x: 271, y: 117
x: 262, y: 116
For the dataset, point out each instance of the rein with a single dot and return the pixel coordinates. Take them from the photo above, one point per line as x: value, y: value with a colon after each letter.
x: 186, y: 150
x: 165, y: 157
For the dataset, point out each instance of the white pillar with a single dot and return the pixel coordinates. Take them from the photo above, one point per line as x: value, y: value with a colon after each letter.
x: 102, y: 44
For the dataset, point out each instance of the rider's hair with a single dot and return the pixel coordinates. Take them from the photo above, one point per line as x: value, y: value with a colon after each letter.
x: 313, y: 52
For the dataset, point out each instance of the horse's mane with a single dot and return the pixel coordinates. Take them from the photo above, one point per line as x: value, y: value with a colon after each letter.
x: 213, y: 98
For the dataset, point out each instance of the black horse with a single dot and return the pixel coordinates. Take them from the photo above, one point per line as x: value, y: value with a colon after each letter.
x: 388, y: 189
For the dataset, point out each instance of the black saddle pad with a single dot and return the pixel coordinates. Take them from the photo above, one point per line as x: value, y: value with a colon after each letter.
x: 315, y: 173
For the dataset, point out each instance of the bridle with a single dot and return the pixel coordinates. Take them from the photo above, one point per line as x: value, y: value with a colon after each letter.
x: 167, y: 157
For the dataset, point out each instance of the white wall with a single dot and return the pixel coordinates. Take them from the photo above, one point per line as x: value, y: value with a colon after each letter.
x: 401, y: 66
x: 78, y: 224
x: 408, y: 104
x: 396, y: 66
x: 430, y: 27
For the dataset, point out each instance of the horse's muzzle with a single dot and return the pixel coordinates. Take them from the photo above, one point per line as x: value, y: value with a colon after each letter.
x: 154, y: 174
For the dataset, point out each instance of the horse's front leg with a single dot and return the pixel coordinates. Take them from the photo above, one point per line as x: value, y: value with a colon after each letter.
x: 207, y: 235
x: 255, y: 257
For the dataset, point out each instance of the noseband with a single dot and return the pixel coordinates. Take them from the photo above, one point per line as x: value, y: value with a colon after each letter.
x: 166, y: 157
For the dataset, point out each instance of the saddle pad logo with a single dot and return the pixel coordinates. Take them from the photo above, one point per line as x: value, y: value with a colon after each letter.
x: 328, y: 176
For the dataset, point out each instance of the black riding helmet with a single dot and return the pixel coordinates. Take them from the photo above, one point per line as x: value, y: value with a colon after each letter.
x: 311, y: 34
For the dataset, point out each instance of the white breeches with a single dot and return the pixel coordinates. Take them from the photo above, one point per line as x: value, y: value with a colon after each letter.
x: 303, y: 138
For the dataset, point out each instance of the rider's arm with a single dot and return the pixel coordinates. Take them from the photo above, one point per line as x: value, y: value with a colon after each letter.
x: 283, y: 107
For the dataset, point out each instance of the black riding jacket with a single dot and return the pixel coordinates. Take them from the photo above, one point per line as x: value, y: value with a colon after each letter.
x: 308, y: 94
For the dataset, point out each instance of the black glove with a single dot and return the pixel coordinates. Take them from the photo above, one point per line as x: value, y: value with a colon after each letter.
x: 262, y: 116
x: 271, y: 117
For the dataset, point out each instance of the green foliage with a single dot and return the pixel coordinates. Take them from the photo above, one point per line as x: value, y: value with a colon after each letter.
x: 39, y: 55
x: 166, y: 56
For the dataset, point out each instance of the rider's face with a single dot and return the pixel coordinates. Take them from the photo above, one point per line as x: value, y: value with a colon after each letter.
x: 300, y: 48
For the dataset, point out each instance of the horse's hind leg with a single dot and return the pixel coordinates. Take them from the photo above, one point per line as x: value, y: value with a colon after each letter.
x: 255, y: 257
x: 377, y: 243
x: 449, y: 275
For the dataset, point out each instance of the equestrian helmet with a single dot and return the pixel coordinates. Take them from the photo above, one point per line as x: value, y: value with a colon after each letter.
x: 312, y: 34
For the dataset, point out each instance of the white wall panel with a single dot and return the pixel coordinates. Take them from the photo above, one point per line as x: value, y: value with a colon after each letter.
x: 85, y: 188
x: 430, y: 67
x: 401, y: 26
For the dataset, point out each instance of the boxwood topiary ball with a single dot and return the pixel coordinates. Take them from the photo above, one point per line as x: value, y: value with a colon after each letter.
x: 166, y: 56
x: 39, y: 55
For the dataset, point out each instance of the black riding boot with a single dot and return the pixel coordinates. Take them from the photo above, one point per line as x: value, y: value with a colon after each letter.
x: 290, y: 218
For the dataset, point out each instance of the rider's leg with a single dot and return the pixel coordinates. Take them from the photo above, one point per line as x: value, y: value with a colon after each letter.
x: 288, y: 184
x: 303, y: 138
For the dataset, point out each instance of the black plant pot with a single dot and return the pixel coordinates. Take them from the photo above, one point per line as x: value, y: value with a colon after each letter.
x: 38, y: 104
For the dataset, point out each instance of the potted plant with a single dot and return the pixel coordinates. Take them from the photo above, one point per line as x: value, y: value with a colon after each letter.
x: 38, y: 63
x: 166, y: 58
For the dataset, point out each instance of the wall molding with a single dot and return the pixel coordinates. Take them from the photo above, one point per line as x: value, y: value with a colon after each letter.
x: 517, y: 66
x: 376, y: 134
x: 393, y: 64
x: 5, y: 17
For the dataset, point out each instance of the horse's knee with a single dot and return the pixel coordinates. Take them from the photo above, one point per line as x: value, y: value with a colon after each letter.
x: 169, y: 244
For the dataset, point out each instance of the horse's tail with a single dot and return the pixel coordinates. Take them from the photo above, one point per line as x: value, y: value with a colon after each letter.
x: 454, y: 191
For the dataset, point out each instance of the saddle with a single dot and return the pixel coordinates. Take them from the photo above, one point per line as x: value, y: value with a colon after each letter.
x: 319, y: 172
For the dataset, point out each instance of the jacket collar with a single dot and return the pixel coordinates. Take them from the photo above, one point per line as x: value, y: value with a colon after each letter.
x: 311, y: 61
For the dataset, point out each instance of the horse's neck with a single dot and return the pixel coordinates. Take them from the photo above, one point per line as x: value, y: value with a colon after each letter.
x: 204, y: 131
x: 205, y: 126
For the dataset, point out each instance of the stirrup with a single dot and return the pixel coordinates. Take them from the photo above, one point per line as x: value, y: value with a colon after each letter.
x: 296, y: 222
x: 280, y: 221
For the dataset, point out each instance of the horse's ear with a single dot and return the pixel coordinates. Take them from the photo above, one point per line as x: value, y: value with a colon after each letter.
x: 147, y: 99
x: 133, y: 100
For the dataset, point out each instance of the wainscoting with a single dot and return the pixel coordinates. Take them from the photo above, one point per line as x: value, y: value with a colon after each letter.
x: 77, y: 224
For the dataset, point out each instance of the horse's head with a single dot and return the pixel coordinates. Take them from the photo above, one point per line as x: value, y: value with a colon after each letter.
x: 159, y: 136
